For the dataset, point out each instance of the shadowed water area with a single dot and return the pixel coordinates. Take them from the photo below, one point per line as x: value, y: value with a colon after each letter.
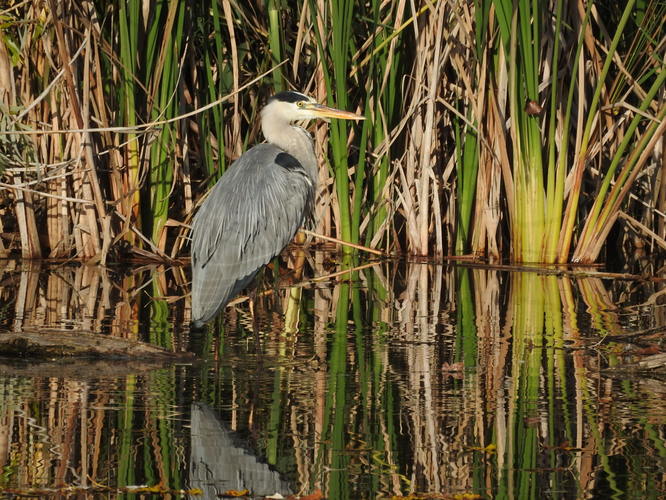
x: 397, y: 379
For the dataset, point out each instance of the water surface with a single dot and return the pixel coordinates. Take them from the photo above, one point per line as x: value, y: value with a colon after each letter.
x: 397, y: 379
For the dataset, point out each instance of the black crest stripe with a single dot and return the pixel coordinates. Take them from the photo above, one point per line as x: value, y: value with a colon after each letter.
x: 288, y: 96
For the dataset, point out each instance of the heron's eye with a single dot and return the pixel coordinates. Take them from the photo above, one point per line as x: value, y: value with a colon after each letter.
x: 300, y: 104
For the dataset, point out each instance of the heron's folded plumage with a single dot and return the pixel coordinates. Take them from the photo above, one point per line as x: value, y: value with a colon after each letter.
x: 250, y: 215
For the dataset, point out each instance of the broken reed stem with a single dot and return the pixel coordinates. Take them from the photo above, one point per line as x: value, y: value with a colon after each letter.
x: 145, y: 126
x: 46, y: 195
x: 337, y: 274
x: 143, y: 238
x: 345, y: 243
x: 642, y: 228
x: 301, y: 284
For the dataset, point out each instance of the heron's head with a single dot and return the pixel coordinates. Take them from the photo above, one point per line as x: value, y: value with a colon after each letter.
x: 290, y: 106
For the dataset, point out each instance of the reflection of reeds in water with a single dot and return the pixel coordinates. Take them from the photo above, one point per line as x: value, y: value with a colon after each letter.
x: 519, y: 406
x: 419, y: 317
x: 68, y: 297
x: 424, y: 379
x: 60, y: 434
x: 93, y: 299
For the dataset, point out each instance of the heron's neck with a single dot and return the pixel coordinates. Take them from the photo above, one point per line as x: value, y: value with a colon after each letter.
x: 293, y: 140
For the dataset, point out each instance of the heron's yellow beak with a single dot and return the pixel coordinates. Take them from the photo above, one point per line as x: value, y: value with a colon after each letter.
x: 322, y: 111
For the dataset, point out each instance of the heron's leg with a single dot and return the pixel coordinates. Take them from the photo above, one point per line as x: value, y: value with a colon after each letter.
x: 299, y: 263
x: 197, y: 338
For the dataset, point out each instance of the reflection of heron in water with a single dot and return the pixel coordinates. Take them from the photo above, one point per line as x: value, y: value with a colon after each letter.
x: 221, y: 461
x: 257, y: 206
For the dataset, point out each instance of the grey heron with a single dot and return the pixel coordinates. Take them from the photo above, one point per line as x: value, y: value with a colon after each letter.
x: 258, y: 205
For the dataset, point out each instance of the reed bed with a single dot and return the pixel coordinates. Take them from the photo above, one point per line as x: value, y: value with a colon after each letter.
x: 509, y: 130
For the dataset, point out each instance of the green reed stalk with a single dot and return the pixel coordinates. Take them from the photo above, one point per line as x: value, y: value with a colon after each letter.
x: 341, y: 45
x: 337, y: 49
x: 530, y: 43
x: 358, y: 201
x: 468, y: 167
x: 380, y: 108
x: 555, y: 191
x: 128, y: 31
x: 468, y: 154
x: 274, y: 43
x: 391, y: 106
x: 164, y: 89
x: 553, y: 208
x: 360, y: 179
x: 572, y: 204
x: 161, y: 330
x: 377, y: 182
x: 520, y: 31
x: 216, y: 86
x: 605, y: 208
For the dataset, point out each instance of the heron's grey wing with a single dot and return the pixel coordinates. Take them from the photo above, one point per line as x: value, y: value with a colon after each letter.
x: 251, y: 214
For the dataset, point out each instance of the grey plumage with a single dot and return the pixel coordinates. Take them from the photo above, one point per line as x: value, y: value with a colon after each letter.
x: 251, y: 214
x: 257, y: 206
